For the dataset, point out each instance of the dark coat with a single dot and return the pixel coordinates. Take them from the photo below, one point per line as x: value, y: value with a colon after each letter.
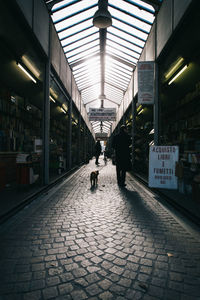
x: 121, y: 143
x: 97, y: 148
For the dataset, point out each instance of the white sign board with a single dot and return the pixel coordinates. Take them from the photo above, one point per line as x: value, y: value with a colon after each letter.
x: 102, y: 114
x: 38, y: 145
x: 162, y: 161
x: 101, y: 136
x: 146, y: 82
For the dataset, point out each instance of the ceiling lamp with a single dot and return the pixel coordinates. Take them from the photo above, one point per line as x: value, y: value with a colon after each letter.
x: 102, y: 18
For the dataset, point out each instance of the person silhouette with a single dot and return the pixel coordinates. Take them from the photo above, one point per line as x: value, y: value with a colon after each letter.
x: 97, y: 152
x: 120, y: 144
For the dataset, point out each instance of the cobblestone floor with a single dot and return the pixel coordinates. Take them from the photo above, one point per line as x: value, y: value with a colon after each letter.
x: 103, y: 243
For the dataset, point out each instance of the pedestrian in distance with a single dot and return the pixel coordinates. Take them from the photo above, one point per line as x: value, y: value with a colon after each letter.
x: 121, y: 144
x: 97, y: 152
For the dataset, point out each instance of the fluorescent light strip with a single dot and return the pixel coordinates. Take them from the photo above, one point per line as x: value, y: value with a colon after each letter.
x: 63, y: 110
x: 51, y: 98
x: 141, y: 111
x: 178, y: 63
x: 178, y: 74
x: 26, y: 72
x: 64, y: 107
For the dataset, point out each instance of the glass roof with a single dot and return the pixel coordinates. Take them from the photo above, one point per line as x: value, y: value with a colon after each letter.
x: 122, y: 47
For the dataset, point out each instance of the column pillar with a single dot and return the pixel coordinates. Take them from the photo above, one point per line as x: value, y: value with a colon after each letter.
x: 46, y: 117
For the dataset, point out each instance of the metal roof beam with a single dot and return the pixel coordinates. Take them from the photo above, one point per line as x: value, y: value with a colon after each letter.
x: 74, y: 14
x: 140, y: 6
x: 155, y: 3
x: 51, y: 3
x: 81, y: 90
x: 64, y: 5
x: 125, y: 40
x: 120, y: 74
x: 82, y: 60
x: 116, y: 87
x: 121, y: 60
x: 81, y: 46
x: 131, y: 25
x: 80, y: 31
x: 80, y: 39
x: 133, y: 35
x: 130, y: 14
x: 87, y: 56
x: 102, y: 34
x: 124, y: 47
x: 112, y: 101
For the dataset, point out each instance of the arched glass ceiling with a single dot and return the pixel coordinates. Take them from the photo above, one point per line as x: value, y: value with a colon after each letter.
x: 81, y: 42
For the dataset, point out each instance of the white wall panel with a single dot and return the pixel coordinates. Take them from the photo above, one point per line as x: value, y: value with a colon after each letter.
x: 150, y: 45
x: 55, y: 50
x: 164, y: 25
x: 179, y: 9
x: 41, y: 24
x: 27, y: 9
x: 135, y: 78
x: 63, y: 69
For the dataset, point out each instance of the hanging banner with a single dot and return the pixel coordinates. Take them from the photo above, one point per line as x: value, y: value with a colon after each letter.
x: 101, y: 136
x: 102, y: 114
x: 162, y: 161
x: 146, y: 71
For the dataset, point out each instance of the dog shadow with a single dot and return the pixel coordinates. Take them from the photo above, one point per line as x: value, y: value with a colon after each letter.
x: 93, y: 188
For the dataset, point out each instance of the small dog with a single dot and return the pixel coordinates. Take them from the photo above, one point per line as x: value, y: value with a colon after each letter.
x: 94, y: 178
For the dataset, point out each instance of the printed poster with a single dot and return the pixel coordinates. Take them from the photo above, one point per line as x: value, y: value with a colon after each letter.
x: 146, y: 82
x: 162, y: 162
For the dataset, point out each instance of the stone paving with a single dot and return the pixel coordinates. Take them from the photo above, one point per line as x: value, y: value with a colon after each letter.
x: 104, y: 243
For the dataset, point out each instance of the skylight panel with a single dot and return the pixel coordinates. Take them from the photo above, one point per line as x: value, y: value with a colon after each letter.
x: 121, y: 54
x: 84, y: 55
x: 88, y: 63
x: 143, y: 4
x: 116, y: 84
x: 60, y: 4
x: 121, y: 48
x: 124, y: 42
x: 110, y: 59
x: 117, y: 72
x: 89, y: 84
x: 110, y: 89
x: 118, y: 76
x: 79, y: 42
x: 87, y: 69
x: 139, y: 34
x: 66, y: 32
x: 82, y: 74
x: 130, y: 20
x: 89, y: 78
x: 91, y: 93
x: 89, y: 75
x: 112, y: 78
x: 66, y: 8
x: 126, y: 35
x: 116, y: 79
x: 108, y: 104
x: 131, y: 8
x: 112, y: 95
x: 112, y: 65
x: 83, y: 49
x: 75, y: 19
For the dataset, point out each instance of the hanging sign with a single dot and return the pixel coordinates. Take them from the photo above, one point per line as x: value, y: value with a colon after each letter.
x: 162, y: 161
x: 101, y: 136
x: 146, y: 82
x: 102, y: 114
